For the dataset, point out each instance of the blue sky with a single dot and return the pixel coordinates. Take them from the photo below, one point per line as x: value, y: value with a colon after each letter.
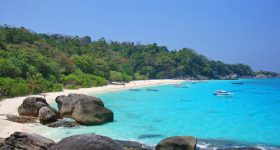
x: 233, y: 31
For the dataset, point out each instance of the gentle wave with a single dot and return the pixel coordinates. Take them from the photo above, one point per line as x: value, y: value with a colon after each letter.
x: 210, y: 144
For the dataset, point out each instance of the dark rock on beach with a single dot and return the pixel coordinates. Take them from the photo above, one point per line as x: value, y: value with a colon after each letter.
x: 86, y: 110
x: 21, y: 119
x: 87, y: 142
x: 31, y: 106
x: 132, y: 145
x: 63, y: 123
x: 20, y: 140
x: 2, y: 142
x: 178, y: 143
x: 47, y: 115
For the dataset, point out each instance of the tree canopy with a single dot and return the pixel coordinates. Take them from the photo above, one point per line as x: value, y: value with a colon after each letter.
x: 34, y: 62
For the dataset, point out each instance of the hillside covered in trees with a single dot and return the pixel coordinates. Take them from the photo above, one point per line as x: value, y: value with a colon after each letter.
x: 35, y: 63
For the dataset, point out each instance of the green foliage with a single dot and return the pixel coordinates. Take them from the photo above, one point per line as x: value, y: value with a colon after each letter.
x: 267, y: 73
x: 16, y: 35
x: 79, y: 79
x: 57, y: 87
x: 91, y: 65
x: 116, y: 76
x: 34, y: 63
x: 19, y: 89
x: 138, y: 76
x: 12, y: 87
x: 126, y: 77
x: 9, y: 68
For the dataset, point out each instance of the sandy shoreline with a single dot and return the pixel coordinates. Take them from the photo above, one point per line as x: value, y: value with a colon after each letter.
x: 10, y: 105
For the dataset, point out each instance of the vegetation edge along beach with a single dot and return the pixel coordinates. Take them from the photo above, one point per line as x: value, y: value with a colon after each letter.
x: 33, y: 63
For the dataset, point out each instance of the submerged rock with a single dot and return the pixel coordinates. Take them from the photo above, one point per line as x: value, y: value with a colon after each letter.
x: 87, y: 142
x: 132, y: 145
x: 20, y: 140
x: 47, y: 115
x: 178, y: 143
x: 62, y: 123
x: 241, y: 148
x: 147, y: 136
x: 21, y: 119
x: 86, y: 110
x: 31, y: 106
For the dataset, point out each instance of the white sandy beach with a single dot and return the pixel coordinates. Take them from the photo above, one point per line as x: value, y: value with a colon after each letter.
x: 10, y: 105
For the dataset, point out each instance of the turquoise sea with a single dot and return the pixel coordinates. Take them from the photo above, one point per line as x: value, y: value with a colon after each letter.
x: 251, y: 117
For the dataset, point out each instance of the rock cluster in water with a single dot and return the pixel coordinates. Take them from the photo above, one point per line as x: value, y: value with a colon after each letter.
x: 85, y: 110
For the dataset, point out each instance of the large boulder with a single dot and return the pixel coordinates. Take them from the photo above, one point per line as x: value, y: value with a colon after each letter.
x: 87, y: 142
x: 81, y: 97
x: 178, y: 143
x: 66, y: 104
x: 20, y: 140
x: 86, y: 110
x: 31, y: 106
x: 47, y: 115
x: 88, y: 113
x: 21, y: 119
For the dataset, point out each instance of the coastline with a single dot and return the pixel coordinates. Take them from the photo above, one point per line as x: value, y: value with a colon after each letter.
x: 10, y: 105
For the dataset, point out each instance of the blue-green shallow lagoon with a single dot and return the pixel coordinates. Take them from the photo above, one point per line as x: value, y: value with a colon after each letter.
x: 250, y: 117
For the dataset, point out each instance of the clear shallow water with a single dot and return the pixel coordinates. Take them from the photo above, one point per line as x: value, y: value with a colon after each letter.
x: 250, y: 117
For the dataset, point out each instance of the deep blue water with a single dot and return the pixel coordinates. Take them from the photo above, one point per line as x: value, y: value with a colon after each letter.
x: 250, y: 117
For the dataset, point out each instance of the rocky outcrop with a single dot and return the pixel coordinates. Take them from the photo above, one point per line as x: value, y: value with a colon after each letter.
x: 66, y: 104
x: 62, y: 123
x: 21, y: 119
x: 20, y: 140
x: 86, y: 142
x: 88, y: 113
x: 35, y: 107
x: 86, y: 110
x: 31, y: 106
x: 177, y: 142
x: 25, y: 141
x: 47, y: 115
x: 132, y: 145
